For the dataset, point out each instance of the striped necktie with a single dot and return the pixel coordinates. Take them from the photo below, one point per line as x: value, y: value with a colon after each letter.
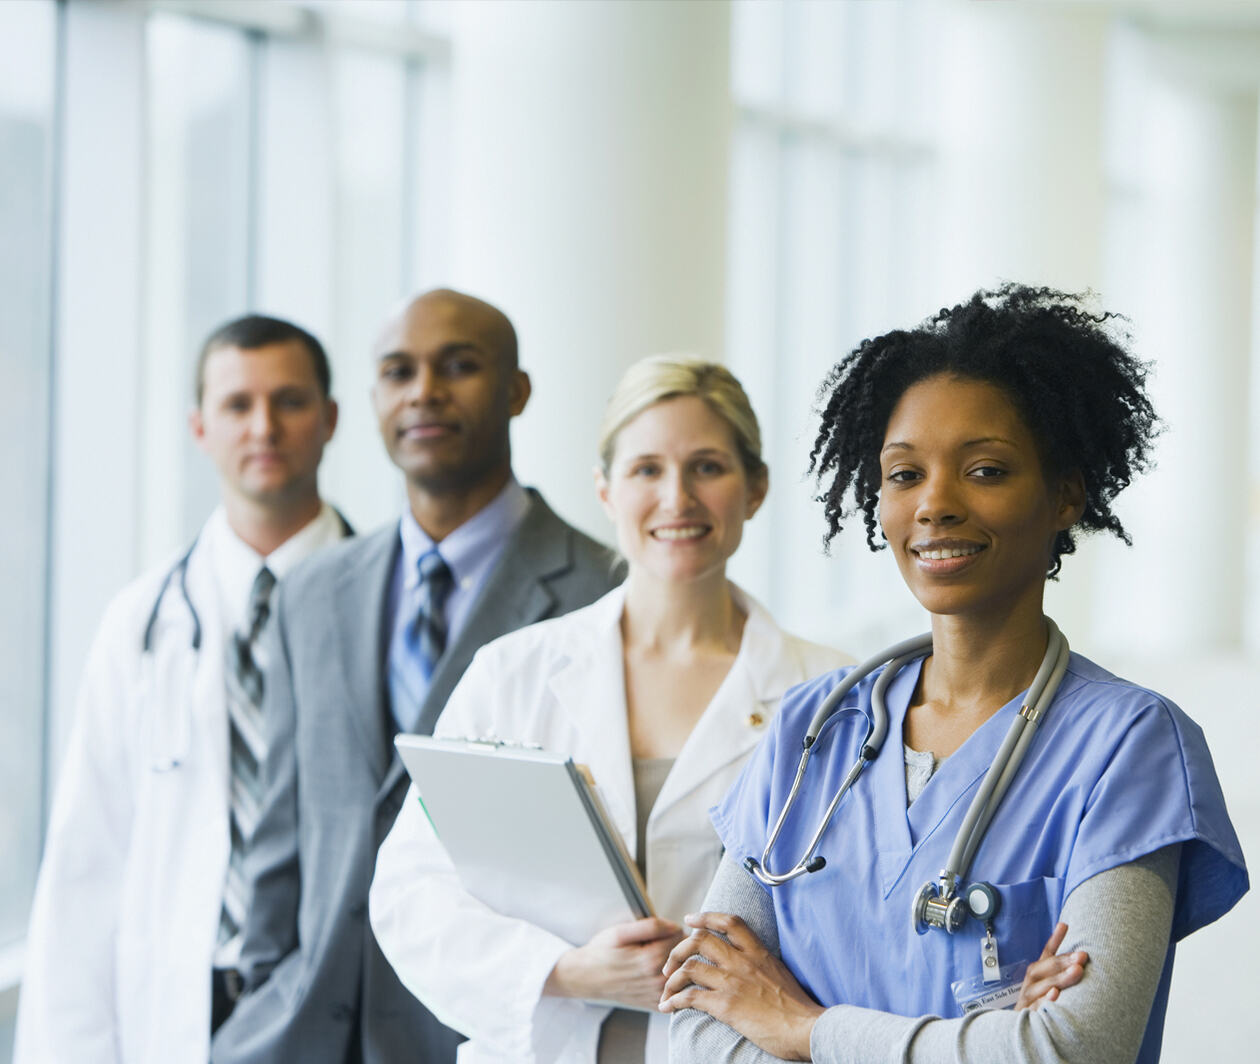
x: 248, y: 745
x: 425, y: 637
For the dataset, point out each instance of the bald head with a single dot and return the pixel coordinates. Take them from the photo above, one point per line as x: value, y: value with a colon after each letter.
x: 458, y: 314
x: 447, y: 387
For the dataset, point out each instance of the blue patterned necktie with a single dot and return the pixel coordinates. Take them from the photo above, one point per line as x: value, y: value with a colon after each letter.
x: 248, y: 747
x: 425, y: 638
x: 427, y: 635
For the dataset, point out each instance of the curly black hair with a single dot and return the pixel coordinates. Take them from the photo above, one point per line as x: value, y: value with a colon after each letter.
x: 1068, y: 372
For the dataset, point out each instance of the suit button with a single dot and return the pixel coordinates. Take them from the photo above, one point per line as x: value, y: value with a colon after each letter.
x: 341, y: 1013
x: 359, y: 912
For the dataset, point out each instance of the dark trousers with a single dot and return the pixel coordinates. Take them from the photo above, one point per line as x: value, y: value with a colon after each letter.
x: 225, y: 988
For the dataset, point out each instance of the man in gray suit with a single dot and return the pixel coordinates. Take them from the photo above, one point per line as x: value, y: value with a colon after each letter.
x: 367, y: 640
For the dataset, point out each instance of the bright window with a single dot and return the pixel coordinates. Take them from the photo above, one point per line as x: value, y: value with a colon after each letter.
x: 27, y: 61
x: 831, y: 175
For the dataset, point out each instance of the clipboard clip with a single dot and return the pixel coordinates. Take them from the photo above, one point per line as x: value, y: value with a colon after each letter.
x: 494, y: 742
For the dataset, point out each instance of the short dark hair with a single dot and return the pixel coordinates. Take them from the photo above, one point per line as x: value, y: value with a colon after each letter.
x: 1067, y: 371
x: 254, y: 331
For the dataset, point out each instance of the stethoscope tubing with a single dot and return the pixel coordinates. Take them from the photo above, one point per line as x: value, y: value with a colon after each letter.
x: 1007, y: 761
x: 908, y: 648
x: 901, y: 654
x: 179, y: 573
x: 169, y: 754
x: 993, y: 788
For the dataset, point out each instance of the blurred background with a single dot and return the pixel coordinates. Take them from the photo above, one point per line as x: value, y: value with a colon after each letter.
x: 763, y: 182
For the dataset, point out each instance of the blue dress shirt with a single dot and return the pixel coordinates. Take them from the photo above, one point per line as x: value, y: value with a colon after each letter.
x: 471, y: 553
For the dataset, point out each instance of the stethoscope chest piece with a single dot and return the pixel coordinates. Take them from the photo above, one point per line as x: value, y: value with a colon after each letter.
x: 933, y: 908
x: 937, y: 905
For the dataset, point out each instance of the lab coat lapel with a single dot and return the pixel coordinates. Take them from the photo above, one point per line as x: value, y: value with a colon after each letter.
x: 516, y: 594
x: 591, y: 693
x: 736, y: 719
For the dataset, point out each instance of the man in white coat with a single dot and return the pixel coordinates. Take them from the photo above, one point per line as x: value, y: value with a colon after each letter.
x: 134, y: 931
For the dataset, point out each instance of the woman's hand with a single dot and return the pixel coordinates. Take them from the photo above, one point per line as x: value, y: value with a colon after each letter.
x: 621, y: 964
x: 1051, y: 972
x: 735, y: 979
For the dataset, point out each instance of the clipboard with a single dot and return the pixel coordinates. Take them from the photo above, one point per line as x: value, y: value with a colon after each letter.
x: 527, y: 833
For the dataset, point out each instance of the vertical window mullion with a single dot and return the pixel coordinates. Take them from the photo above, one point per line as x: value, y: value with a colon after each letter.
x: 253, y: 163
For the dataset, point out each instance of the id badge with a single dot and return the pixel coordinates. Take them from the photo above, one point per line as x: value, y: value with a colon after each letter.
x: 1000, y: 993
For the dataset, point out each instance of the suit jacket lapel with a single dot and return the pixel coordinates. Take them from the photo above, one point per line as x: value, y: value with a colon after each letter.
x: 515, y: 594
x: 360, y: 602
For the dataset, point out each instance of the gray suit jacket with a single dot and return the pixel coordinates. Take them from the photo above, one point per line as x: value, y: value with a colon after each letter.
x: 318, y: 987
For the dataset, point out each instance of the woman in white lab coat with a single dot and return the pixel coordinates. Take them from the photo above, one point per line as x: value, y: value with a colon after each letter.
x: 663, y: 687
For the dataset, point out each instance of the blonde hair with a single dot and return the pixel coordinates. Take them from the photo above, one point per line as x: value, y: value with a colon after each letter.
x: 658, y: 377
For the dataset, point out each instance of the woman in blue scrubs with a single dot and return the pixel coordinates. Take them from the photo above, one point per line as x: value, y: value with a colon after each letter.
x: 977, y: 447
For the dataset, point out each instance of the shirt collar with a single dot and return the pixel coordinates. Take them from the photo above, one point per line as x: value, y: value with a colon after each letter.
x: 325, y: 528
x: 463, y: 548
x: 236, y: 563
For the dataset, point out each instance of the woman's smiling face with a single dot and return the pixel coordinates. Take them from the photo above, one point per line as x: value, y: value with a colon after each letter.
x: 965, y: 501
x: 677, y: 491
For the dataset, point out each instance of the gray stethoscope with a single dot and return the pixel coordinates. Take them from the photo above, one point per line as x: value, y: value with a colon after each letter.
x: 937, y: 904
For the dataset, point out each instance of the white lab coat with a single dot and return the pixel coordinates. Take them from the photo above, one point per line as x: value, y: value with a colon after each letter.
x: 561, y: 684
x: 126, y: 911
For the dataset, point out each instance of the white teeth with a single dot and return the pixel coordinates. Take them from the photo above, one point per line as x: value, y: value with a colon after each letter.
x: 691, y: 532
x: 954, y: 552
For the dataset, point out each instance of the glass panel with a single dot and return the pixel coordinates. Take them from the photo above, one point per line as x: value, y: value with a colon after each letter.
x: 198, y: 268
x: 371, y: 260
x: 1251, y: 619
x: 27, y: 60
x: 830, y: 219
x: 752, y: 265
x: 757, y: 53
x: 432, y: 16
x: 427, y: 193
x: 384, y: 11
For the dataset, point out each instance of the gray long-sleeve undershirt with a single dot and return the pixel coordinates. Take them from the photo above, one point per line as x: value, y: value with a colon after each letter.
x: 1122, y: 918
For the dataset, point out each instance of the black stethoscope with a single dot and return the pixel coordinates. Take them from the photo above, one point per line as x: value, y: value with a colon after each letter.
x: 178, y: 574
x: 170, y: 736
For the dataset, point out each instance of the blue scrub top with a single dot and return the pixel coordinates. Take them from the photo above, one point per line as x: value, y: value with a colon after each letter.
x: 1115, y: 772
